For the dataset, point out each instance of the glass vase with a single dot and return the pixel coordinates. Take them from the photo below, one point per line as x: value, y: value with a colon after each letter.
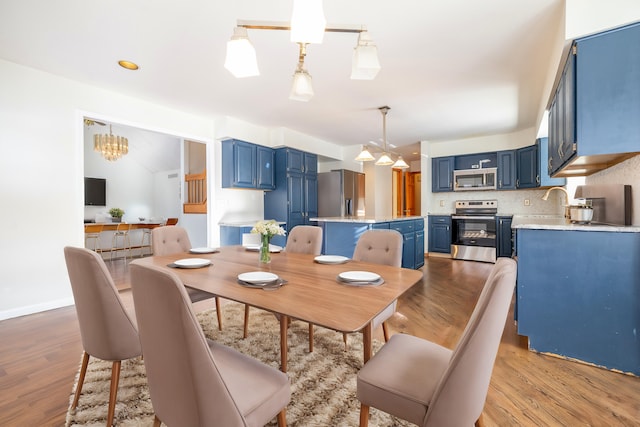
x: 265, y: 255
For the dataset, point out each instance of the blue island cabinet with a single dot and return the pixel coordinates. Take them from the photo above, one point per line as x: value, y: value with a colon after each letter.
x: 578, y: 295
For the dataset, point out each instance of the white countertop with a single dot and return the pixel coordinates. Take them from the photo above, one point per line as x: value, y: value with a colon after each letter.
x: 249, y: 223
x: 364, y: 219
x: 550, y: 222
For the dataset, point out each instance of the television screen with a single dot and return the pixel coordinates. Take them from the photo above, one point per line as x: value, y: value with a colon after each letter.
x: 95, y: 191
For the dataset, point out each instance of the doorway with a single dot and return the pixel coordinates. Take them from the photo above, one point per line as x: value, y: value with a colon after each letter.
x: 406, y: 193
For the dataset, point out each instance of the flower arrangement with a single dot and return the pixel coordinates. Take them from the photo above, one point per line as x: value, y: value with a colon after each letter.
x: 267, y: 229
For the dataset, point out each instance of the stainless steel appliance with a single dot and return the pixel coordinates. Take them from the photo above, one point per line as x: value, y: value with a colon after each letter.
x: 475, y: 179
x: 611, y: 202
x: 474, y: 230
x: 341, y: 192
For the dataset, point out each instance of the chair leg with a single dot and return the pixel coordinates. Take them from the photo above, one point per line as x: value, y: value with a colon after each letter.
x: 246, y: 321
x: 113, y: 392
x: 479, y: 421
x: 156, y: 421
x: 364, y: 415
x: 282, y: 418
x: 219, y: 313
x: 310, y: 337
x: 344, y: 338
x: 385, y: 331
x: 83, y: 371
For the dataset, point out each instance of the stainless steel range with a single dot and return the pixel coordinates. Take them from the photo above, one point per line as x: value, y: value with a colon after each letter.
x: 474, y: 230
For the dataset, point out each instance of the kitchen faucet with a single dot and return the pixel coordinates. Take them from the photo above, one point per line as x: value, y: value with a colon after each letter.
x: 566, y: 193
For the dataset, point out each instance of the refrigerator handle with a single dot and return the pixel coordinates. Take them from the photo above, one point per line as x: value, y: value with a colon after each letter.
x: 348, y: 207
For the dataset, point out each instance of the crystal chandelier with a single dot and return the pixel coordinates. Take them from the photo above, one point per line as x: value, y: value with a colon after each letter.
x: 111, y: 146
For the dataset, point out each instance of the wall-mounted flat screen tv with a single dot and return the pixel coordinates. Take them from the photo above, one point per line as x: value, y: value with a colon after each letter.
x: 95, y: 191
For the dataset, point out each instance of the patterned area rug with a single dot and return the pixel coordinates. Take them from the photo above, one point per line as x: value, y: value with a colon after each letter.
x: 323, y: 383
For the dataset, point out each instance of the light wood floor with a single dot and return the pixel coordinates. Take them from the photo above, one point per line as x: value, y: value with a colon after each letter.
x: 40, y: 354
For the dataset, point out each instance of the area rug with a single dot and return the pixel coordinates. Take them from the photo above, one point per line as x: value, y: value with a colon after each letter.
x: 323, y: 383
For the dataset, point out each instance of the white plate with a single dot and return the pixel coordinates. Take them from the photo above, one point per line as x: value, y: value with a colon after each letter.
x: 359, y: 276
x: 272, y: 248
x: 257, y: 277
x: 203, y: 250
x: 331, y: 259
x: 192, y: 263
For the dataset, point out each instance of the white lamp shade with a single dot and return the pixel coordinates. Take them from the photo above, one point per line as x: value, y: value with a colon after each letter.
x: 241, y: 55
x: 365, y: 156
x: 365, y: 64
x: 301, y: 88
x: 384, y: 160
x: 307, y: 21
x: 400, y: 163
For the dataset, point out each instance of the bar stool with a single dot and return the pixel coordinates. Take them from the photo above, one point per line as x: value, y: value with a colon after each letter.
x: 146, y: 232
x: 92, y: 232
x: 122, y: 231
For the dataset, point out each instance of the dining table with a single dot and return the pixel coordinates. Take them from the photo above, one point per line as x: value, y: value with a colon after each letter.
x: 313, y: 292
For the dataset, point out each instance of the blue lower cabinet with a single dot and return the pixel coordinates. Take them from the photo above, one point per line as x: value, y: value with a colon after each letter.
x: 419, y: 255
x: 231, y: 235
x: 340, y: 238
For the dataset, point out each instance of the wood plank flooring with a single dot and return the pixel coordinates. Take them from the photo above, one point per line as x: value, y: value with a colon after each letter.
x: 40, y: 355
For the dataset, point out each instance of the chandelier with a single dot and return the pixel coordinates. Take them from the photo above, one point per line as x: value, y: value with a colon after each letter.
x: 112, y: 147
x: 307, y: 25
x: 385, y: 159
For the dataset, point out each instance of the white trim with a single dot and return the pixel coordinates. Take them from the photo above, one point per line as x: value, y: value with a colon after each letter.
x: 37, y: 308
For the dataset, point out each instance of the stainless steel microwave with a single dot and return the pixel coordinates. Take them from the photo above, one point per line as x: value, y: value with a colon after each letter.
x: 475, y: 179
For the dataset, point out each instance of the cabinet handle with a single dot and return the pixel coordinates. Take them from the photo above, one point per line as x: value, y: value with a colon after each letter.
x: 517, y: 183
x: 500, y: 183
x: 550, y: 163
x: 538, y: 179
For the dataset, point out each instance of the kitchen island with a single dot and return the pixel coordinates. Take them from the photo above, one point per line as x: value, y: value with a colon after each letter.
x: 340, y: 235
x: 578, y: 290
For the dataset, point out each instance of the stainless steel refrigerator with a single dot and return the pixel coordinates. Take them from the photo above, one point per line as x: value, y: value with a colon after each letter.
x: 341, y: 193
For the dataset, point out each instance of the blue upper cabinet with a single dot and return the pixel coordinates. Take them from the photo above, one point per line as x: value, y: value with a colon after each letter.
x: 442, y: 174
x: 593, y: 121
x: 247, y: 165
x: 528, y: 167
x: 506, y: 170
x: 543, y: 155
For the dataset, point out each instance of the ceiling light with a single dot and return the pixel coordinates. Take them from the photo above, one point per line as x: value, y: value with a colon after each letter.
x: 112, y: 147
x: 307, y: 21
x: 400, y: 164
x: 385, y: 159
x: 128, y: 65
x: 301, y: 87
x: 365, y: 64
x: 241, y: 55
x: 365, y: 156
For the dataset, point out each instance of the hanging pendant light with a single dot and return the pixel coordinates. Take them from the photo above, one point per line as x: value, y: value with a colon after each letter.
x: 241, y: 55
x: 365, y: 155
x: 112, y: 147
x: 400, y: 163
x: 301, y: 87
x: 385, y: 159
x: 365, y: 64
x: 307, y: 21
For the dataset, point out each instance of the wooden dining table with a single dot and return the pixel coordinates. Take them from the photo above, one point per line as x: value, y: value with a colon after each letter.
x: 312, y: 293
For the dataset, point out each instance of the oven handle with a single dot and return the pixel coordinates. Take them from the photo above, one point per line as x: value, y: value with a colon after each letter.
x: 492, y: 218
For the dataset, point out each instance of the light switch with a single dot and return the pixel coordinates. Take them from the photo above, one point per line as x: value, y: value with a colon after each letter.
x: 527, y: 202
x: 442, y: 203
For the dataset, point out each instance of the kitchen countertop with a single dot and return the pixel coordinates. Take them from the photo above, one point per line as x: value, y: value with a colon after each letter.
x: 249, y: 223
x: 551, y: 222
x: 364, y: 219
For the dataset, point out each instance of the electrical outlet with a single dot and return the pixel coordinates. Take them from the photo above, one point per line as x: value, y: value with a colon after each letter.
x: 442, y: 203
x: 527, y: 202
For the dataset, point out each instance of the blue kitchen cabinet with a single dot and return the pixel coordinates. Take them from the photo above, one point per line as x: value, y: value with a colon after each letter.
x: 295, y: 197
x: 232, y: 235
x: 595, y: 109
x: 419, y: 254
x: 504, y: 239
x: 543, y: 156
x: 528, y: 167
x: 506, y: 170
x: 442, y: 174
x: 247, y: 165
x: 407, y: 229
x: 440, y: 233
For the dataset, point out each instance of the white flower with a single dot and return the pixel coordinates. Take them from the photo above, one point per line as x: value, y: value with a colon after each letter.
x: 268, y: 228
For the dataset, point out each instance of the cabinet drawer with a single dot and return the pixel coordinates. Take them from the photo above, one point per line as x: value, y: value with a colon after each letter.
x: 403, y: 226
x: 419, y: 224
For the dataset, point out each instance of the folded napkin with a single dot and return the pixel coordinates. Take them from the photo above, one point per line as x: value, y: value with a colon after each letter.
x: 267, y: 286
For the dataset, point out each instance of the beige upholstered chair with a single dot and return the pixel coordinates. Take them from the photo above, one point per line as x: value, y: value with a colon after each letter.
x: 194, y: 381
x: 380, y: 247
x: 173, y: 239
x: 432, y: 386
x: 106, y: 329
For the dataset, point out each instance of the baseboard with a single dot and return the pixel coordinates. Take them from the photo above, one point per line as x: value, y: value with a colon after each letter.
x: 437, y: 255
x: 36, y: 308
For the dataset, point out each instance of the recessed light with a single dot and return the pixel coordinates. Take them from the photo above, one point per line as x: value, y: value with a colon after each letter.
x: 128, y: 65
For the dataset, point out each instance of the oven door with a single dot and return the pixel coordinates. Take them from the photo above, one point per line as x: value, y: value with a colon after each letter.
x: 473, y: 237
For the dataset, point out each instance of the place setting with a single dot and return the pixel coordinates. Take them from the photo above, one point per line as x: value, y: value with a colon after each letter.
x: 360, y: 278
x: 190, y: 263
x: 261, y: 280
x: 331, y: 259
x: 203, y: 250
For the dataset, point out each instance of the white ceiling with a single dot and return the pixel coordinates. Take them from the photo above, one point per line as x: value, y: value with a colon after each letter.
x: 450, y: 69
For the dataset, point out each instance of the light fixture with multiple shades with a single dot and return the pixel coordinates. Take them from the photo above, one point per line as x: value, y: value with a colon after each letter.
x: 385, y: 159
x: 308, y: 25
x: 112, y: 147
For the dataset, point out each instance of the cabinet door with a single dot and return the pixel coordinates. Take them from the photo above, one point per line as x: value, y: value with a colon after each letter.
x: 295, y: 161
x: 442, y: 174
x: 553, y: 158
x: 265, y: 179
x: 504, y: 241
x: 310, y: 197
x: 543, y: 155
x: 569, y: 109
x: 310, y: 163
x: 528, y: 166
x: 244, y: 164
x: 506, y: 170
x: 408, y: 250
x: 440, y: 234
x: 295, y: 200
x: 419, y: 256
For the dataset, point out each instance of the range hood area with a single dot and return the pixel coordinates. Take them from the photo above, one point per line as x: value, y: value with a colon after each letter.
x: 588, y: 165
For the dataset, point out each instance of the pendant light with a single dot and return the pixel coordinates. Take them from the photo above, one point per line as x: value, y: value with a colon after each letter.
x: 301, y: 87
x: 400, y: 164
x: 307, y: 21
x: 365, y: 64
x: 241, y: 55
x: 365, y: 155
x: 385, y: 159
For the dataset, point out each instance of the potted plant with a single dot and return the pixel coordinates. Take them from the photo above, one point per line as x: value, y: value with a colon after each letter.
x: 116, y: 214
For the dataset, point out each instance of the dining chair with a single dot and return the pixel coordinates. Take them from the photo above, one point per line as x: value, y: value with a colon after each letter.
x: 167, y: 240
x: 122, y: 232
x: 429, y: 385
x: 302, y: 239
x: 106, y: 329
x: 194, y: 381
x: 380, y: 247
x: 92, y: 233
